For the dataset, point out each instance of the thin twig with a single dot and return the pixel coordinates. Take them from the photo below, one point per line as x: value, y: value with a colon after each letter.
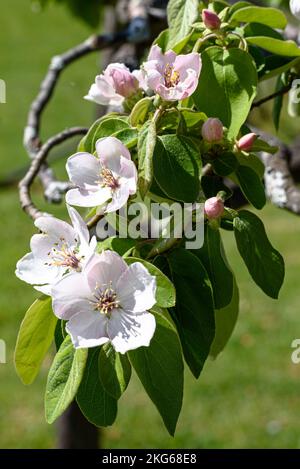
x: 281, y: 92
x: 25, y: 184
x: 31, y: 139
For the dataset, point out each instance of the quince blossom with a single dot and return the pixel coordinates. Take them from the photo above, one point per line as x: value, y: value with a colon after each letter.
x: 107, y: 301
x: 109, y: 176
x: 174, y: 77
x: 115, y: 84
x: 60, y: 249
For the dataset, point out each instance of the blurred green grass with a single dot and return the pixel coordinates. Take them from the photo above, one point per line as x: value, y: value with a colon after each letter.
x: 249, y: 396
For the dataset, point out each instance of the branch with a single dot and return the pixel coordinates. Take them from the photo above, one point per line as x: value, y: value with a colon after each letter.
x: 281, y: 92
x: 55, y: 189
x: 38, y: 161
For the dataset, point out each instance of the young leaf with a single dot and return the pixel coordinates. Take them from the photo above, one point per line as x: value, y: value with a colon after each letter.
x: 160, y: 369
x: 146, y: 145
x: 265, y: 15
x: 252, y: 161
x: 108, y: 128
x: 64, y: 379
x: 114, y: 371
x: 225, y: 319
x: 140, y: 112
x: 231, y: 77
x: 265, y: 264
x: 120, y: 245
x: 177, y: 165
x: 194, y: 310
x: 276, y: 46
x: 212, y: 256
x: 181, y: 15
x: 98, y: 407
x: 251, y: 186
x: 165, y: 291
x: 128, y: 137
x: 34, y: 339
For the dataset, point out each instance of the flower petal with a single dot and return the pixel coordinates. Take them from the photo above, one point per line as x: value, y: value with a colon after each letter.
x: 87, y: 329
x: 71, y: 295
x: 110, y: 147
x: 33, y: 270
x: 56, y: 228
x: 120, y: 197
x: 85, y: 198
x: 127, y: 332
x: 83, y: 169
x: 136, y: 289
x: 79, y: 225
x: 103, y: 269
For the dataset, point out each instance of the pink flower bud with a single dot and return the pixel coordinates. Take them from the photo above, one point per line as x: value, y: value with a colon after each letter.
x: 212, y: 130
x: 125, y: 83
x: 211, y: 19
x: 245, y: 143
x: 213, y: 207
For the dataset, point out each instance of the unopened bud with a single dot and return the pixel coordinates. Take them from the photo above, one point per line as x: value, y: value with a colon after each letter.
x: 212, y: 130
x: 245, y: 143
x: 213, y: 207
x: 211, y: 19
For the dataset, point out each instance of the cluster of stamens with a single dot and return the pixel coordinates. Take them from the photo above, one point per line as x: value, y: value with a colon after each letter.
x: 108, y: 179
x: 171, y: 76
x: 105, y: 300
x: 63, y: 256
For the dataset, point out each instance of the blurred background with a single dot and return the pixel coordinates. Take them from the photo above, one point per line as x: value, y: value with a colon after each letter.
x: 248, y: 397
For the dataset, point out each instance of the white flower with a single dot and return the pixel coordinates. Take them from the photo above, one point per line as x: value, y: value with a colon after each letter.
x: 107, y: 301
x: 295, y: 8
x: 110, y: 176
x: 60, y: 249
x: 115, y: 84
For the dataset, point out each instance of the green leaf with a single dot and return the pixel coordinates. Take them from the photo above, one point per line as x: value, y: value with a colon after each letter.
x: 225, y: 163
x: 252, y: 161
x: 119, y: 245
x: 181, y: 15
x: 212, y: 256
x: 211, y: 185
x: 146, y: 145
x: 140, y: 112
x: 194, y: 310
x: 225, y: 319
x: 160, y: 369
x: 253, y: 14
x: 108, y: 128
x: 86, y: 144
x: 98, y: 407
x: 114, y: 371
x: 251, y: 186
x: 128, y: 137
x: 177, y: 165
x: 261, y: 145
x: 165, y: 291
x: 264, y: 263
x: 64, y: 379
x: 256, y: 29
x: 231, y: 78
x: 276, y: 46
x: 34, y: 339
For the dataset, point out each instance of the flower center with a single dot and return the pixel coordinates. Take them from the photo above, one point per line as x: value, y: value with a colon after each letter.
x: 64, y: 256
x: 171, y: 76
x: 108, y: 179
x: 105, y: 300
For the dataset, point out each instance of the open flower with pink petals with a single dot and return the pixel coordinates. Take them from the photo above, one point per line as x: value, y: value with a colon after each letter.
x: 110, y: 178
x: 107, y: 302
x: 60, y: 249
x: 174, y: 77
x: 114, y: 85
